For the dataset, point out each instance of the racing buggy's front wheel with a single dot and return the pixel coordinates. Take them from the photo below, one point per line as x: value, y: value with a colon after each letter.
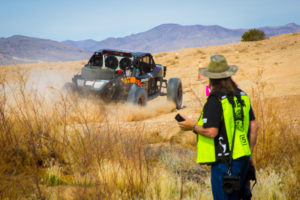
x: 137, y: 96
x: 174, y: 91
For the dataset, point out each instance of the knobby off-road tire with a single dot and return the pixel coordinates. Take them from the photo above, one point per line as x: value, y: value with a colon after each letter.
x: 113, y: 91
x: 174, y: 92
x: 137, y: 96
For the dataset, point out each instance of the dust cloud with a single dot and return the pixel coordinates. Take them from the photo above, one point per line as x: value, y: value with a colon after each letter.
x: 129, y: 112
x: 49, y: 85
x: 45, y: 82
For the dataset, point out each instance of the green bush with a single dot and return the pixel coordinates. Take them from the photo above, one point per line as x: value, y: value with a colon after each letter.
x: 253, y: 35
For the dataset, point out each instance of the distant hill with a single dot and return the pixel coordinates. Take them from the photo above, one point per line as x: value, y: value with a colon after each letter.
x: 168, y: 37
x: 21, y: 49
x: 278, y: 30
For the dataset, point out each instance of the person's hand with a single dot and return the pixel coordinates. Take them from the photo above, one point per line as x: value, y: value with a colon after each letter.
x: 187, y: 124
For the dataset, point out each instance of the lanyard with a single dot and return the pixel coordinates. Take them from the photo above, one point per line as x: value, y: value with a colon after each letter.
x: 231, y: 101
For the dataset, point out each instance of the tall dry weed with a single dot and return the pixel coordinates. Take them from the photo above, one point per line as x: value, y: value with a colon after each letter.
x: 278, y: 144
x: 73, y: 147
x: 76, y: 143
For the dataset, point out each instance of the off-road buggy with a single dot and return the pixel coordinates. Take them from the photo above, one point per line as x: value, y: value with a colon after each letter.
x: 127, y: 76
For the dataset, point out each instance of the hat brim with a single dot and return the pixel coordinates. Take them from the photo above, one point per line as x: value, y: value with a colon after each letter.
x: 218, y: 75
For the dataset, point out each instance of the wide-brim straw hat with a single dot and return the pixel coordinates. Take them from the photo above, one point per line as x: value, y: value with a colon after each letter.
x: 218, y: 68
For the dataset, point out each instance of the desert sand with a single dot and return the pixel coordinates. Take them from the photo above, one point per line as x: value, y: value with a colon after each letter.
x: 273, y: 64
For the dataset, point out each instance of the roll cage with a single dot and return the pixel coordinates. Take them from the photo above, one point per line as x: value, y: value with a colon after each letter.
x: 121, y: 60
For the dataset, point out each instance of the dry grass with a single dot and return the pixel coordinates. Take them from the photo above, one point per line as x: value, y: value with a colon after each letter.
x: 64, y: 151
x: 277, y: 151
x: 60, y: 145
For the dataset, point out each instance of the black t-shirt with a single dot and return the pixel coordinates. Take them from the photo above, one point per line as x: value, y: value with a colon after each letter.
x: 212, y: 113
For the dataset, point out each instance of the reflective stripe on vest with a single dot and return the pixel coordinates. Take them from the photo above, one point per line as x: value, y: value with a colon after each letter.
x: 206, y: 147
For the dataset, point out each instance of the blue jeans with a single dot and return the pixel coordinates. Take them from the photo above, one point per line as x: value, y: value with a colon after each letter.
x: 239, y: 168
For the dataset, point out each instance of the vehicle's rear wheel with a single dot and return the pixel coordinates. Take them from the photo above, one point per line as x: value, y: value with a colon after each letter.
x: 174, y: 91
x: 137, y: 96
x: 113, y: 91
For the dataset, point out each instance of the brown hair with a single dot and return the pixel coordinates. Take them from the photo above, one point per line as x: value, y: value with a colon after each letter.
x: 226, y: 85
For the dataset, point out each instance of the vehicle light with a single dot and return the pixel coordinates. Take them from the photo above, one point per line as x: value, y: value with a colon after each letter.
x: 89, y: 83
x: 106, y: 52
x: 80, y: 82
x: 128, y: 54
x: 99, y: 84
x: 119, y: 72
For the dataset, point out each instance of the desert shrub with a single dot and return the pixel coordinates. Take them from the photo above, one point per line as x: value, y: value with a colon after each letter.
x: 253, y: 35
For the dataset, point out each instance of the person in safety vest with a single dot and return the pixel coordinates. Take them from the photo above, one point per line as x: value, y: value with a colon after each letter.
x: 226, y: 132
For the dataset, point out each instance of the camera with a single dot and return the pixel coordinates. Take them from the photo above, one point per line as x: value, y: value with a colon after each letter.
x: 179, y: 118
x: 251, y: 173
x: 231, y: 184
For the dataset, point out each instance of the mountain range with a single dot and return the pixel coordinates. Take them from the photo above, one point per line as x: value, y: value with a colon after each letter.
x: 20, y: 49
x: 166, y: 37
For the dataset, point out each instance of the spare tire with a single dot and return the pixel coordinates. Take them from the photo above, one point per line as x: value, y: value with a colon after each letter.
x: 137, y: 96
x: 125, y: 63
x: 111, y: 62
x: 174, y: 91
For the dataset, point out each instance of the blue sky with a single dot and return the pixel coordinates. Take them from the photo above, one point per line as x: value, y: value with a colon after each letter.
x: 99, y: 19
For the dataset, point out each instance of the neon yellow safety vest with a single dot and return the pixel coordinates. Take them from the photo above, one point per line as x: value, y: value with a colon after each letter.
x: 211, y: 150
